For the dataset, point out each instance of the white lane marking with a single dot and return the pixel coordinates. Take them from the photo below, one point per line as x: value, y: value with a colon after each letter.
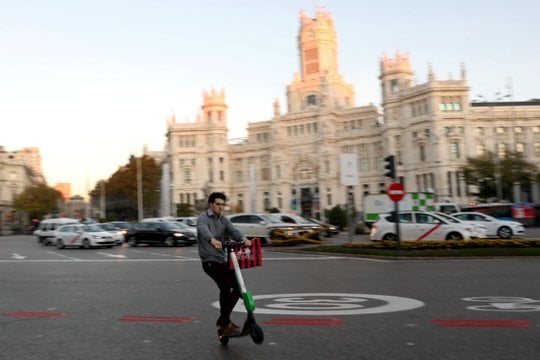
x: 316, y: 257
x: 158, y: 254
x: 63, y: 256
x: 112, y: 255
x: 17, y: 256
x: 161, y: 254
x: 148, y: 252
x: 175, y: 258
x: 92, y: 260
x: 302, y: 258
x: 367, y: 259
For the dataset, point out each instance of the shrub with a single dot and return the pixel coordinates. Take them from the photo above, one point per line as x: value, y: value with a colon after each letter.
x: 448, y: 244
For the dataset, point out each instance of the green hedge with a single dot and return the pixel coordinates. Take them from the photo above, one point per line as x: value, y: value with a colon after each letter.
x: 447, y: 244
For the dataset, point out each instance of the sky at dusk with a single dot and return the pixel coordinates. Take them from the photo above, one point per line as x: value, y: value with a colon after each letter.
x: 91, y: 82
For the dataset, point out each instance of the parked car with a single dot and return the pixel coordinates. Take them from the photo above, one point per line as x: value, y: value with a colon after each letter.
x: 157, y: 233
x: 121, y: 225
x: 330, y: 229
x: 80, y: 235
x: 479, y: 230
x: 316, y: 228
x: 117, y: 234
x: 47, y: 227
x: 191, y: 231
x: 188, y: 220
x: 419, y: 225
x: 265, y: 226
x: 504, y: 229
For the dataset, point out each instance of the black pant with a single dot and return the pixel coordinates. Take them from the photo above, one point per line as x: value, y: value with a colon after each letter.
x: 229, y: 291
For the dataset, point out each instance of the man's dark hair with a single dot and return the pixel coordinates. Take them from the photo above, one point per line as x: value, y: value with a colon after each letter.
x: 216, y: 195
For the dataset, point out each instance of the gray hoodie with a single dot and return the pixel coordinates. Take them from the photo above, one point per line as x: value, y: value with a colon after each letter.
x: 220, y: 228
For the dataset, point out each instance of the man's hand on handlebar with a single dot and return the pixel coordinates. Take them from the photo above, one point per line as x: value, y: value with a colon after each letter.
x: 216, y: 244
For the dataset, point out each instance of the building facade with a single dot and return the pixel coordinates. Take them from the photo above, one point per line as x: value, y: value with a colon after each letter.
x: 292, y: 161
x: 18, y: 170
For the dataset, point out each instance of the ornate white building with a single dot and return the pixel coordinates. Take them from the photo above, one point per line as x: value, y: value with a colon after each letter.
x: 18, y: 170
x: 291, y: 161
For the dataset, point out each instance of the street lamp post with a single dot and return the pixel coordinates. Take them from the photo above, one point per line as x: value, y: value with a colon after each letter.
x: 102, y: 199
x: 140, y: 214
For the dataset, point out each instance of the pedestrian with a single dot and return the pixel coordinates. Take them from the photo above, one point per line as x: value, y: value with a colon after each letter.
x: 213, y: 231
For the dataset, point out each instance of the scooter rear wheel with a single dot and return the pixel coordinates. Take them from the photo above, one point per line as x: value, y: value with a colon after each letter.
x: 256, y: 334
x: 224, y: 340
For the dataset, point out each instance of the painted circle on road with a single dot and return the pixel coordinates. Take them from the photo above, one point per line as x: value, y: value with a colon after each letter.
x: 320, y: 304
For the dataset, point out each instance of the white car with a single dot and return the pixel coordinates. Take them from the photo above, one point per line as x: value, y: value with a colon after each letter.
x: 80, y: 235
x: 419, y: 225
x: 117, y: 234
x: 479, y: 230
x: 188, y: 220
x: 504, y: 229
x: 47, y: 227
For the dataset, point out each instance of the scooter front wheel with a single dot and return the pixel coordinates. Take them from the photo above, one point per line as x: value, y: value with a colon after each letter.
x: 256, y: 334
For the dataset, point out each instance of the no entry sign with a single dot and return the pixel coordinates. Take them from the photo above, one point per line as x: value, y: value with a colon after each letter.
x: 396, y: 192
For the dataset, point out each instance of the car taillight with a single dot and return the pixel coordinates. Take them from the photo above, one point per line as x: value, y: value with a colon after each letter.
x: 373, y: 229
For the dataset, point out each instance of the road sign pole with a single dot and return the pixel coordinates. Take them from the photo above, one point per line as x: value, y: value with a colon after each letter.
x: 398, y: 235
x: 396, y: 192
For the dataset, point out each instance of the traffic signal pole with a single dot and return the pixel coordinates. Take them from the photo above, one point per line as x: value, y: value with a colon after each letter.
x: 395, y: 192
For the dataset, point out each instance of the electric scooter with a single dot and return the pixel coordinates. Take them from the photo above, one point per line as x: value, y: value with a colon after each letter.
x: 250, y: 325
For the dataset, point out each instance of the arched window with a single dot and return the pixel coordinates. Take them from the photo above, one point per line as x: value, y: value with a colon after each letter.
x: 311, y: 100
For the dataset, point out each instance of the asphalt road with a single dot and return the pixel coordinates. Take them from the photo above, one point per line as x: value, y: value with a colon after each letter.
x: 156, y: 303
x: 343, y: 237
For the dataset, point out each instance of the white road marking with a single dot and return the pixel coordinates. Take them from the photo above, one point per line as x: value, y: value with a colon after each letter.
x: 322, y: 304
x: 113, y: 255
x: 92, y: 260
x: 504, y: 303
x: 63, y: 256
x: 161, y: 254
x: 158, y: 254
x: 301, y: 258
x: 17, y: 256
x: 119, y: 257
x: 317, y: 257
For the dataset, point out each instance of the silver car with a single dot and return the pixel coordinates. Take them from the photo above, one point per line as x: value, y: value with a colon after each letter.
x: 264, y: 226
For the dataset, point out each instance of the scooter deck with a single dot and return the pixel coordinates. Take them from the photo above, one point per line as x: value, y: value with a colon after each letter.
x: 250, y: 328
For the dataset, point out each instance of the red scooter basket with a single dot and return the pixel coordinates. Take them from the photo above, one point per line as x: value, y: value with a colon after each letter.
x: 248, y: 257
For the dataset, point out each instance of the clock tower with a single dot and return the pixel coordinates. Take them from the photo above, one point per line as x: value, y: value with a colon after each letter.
x: 319, y: 83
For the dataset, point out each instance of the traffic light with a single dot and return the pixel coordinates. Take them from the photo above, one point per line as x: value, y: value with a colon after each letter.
x: 390, y: 167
